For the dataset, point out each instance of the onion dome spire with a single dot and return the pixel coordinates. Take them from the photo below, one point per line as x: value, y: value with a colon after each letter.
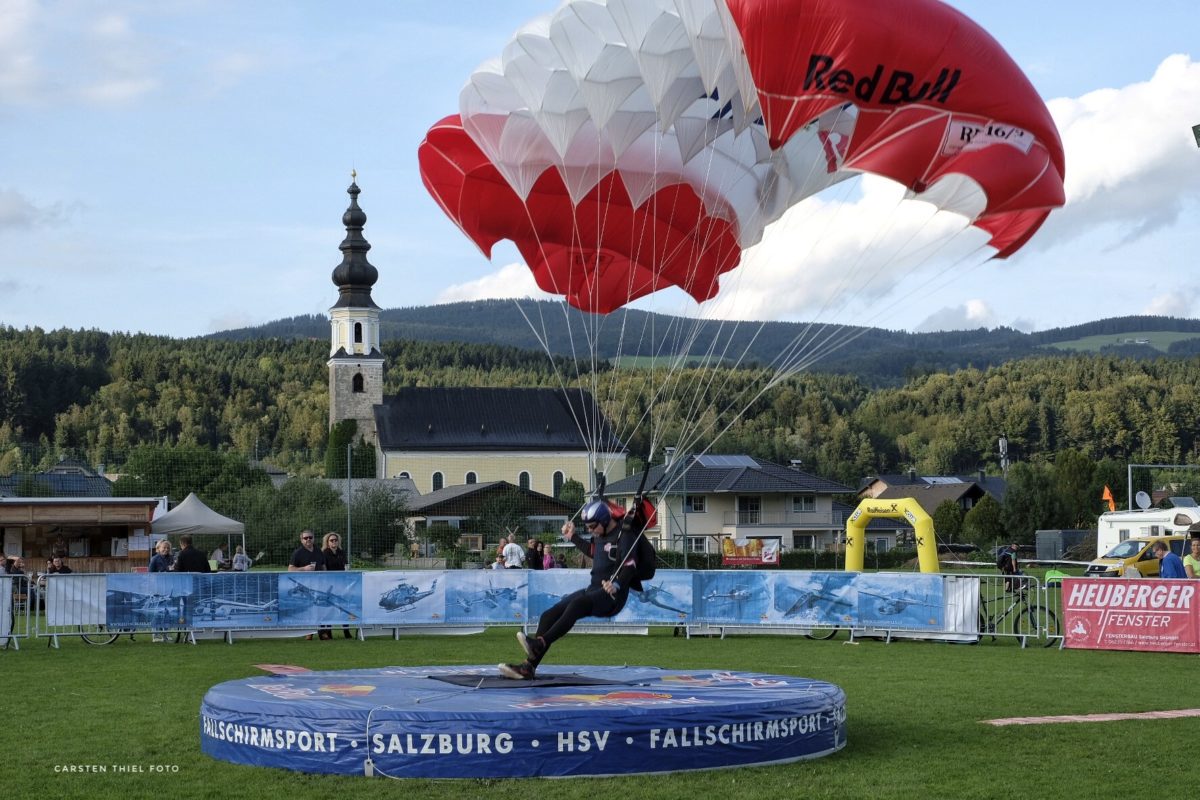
x: 355, y: 276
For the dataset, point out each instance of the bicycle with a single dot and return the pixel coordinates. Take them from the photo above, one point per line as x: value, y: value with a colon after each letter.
x: 101, y: 634
x: 1024, y: 618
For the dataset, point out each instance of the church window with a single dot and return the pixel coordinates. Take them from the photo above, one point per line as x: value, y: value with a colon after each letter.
x: 438, y: 481
x: 358, y: 382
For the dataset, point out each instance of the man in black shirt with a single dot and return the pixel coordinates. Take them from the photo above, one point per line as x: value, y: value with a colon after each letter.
x: 306, y: 557
x: 614, y: 573
x: 190, y: 559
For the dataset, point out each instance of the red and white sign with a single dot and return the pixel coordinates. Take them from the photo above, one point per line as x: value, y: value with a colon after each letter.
x: 1127, y: 614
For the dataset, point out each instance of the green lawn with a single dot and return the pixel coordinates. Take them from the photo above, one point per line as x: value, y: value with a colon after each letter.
x: 914, y: 708
x: 1159, y: 340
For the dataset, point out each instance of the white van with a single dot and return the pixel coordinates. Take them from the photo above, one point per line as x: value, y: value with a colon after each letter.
x: 1114, y: 527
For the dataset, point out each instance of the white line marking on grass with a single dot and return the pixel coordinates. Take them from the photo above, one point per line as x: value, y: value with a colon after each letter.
x: 1177, y: 714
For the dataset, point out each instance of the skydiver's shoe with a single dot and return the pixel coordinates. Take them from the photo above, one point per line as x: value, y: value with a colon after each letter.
x: 518, y: 672
x: 535, y: 647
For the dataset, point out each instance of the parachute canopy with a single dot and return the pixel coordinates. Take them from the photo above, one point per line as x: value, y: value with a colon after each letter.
x: 625, y: 146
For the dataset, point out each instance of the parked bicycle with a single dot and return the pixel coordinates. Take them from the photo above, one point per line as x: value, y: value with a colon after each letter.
x: 102, y: 634
x: 1016, y: 614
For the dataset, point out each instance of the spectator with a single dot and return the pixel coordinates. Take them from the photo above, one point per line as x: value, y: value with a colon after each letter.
x: 241, y: 561
x: 335, y: 559
x: 218, y: 555
x: 514, y: 556
x: 190, y: 559
x: 1169, y: 564
x: 1191, y: 562
x: 547, y: 556
x: 306, y: 558
x: 533, y: 559
x: 161, y: 561
x: 56, y: 566
x: 499, y: 562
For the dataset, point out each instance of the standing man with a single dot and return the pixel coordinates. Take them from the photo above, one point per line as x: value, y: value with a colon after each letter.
x: 614, y: 549
x: 306, y: 557
x: 533, y: 559
x: 514, y: 556
x: 1169, y: 564
x: 190, y: 559
x: 1191, y: 562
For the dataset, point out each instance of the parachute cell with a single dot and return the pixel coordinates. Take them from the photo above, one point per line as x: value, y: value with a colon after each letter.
x: 631, y: 145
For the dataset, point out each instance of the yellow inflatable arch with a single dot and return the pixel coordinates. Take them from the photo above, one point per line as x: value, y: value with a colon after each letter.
x: 904, y: 508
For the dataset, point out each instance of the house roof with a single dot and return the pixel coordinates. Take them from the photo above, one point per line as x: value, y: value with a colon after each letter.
x: 992, y: 484
x: 728, y: 474
x: 932, y: 495
x: 465, y: 500
x: 471, y: 418
x: 65, y: 479
x: 401, y: 488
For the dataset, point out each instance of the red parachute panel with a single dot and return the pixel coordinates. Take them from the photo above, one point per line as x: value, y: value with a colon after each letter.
x: 600, y: 253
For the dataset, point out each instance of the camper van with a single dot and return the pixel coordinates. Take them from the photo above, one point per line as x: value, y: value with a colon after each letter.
x: 1114, y: 527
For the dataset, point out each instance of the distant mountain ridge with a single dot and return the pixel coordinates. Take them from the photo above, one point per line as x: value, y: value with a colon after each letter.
x: 878, y: 356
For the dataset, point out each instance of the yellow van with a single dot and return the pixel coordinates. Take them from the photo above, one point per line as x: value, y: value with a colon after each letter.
x: 1133, y: 558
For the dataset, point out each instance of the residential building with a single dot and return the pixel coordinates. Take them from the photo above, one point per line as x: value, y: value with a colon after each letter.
x: 702, y: 499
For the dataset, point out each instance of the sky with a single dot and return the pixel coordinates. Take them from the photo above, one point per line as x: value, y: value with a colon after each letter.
x: 179, y: 167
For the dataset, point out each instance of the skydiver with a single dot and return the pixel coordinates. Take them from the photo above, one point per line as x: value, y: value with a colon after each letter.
x: 613, y: 548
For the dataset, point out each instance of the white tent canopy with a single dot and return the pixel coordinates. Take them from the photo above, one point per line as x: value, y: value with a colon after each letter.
x: 193, y: 518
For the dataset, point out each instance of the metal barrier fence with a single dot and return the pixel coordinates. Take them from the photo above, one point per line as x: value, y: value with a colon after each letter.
x: 962, y: 608
x: 15, y: 602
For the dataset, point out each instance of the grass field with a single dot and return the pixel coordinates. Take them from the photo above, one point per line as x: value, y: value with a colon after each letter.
x: 914, y: 709
x: 1159, y: 340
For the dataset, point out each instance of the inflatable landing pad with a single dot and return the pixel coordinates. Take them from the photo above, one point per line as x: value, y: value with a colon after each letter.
x: 455, y: 722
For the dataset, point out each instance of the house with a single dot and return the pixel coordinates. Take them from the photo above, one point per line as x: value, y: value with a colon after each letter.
x: 439, y: 437
x: 702, y: 499
x: 67, y: 478
x: 455, y: 505
x: 932, y: 491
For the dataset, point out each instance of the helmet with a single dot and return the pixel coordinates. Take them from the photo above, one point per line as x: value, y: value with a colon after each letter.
x: 596, y: 511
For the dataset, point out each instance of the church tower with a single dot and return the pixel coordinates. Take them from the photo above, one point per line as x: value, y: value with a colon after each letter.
x: 355, y: 360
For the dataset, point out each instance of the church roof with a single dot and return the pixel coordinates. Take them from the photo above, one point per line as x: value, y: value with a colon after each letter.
x: 469, y: 418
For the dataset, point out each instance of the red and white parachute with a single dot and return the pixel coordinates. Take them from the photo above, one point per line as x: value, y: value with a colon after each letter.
x: 629, y: 145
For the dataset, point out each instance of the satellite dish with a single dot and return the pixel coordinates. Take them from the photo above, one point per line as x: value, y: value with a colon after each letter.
x: 1142, y: 499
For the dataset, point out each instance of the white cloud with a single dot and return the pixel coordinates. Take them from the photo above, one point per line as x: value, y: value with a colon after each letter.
x: 19, y: 212
x: 512, y: 280
x: 18, y: 64
x: 972, y: 314
x: 1131, y: 157
x: 62, y: 53
x: 1173, y: 304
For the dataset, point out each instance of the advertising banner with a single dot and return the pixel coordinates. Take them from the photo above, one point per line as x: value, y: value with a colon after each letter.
x: 1120, y: 614
x: 753, y: 552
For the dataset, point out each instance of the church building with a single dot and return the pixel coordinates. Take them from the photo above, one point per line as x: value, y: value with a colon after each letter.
x: 533, y: 438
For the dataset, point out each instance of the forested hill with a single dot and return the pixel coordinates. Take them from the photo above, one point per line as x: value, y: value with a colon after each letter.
x: 876, y: 356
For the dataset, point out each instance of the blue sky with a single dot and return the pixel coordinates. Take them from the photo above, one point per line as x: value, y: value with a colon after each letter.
x: 180, y: 167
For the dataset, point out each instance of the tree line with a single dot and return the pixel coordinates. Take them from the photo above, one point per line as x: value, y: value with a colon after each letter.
x: 1072, y: 422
